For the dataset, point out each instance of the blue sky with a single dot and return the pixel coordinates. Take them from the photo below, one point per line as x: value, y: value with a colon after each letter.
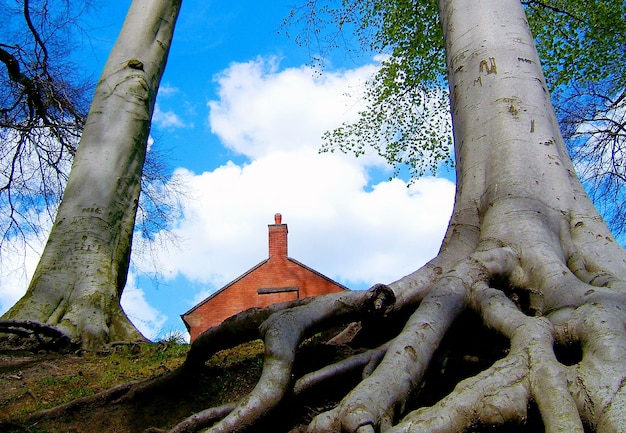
x: 240, y: 115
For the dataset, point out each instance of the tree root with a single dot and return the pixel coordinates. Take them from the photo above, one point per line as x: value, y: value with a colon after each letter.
x: 48, y: 337
x: 203, y: 418
x: 283, y: 332
x: 591, y: 392
x: 492, y: 397
x: 388, y: 376
x: 366, y: 361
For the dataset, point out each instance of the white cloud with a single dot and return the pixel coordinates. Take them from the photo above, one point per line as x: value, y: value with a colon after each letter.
x: 145, y: 317
x: 167, y: 90
x: 336, y: 225
x: 339, y: 222
x: 167, y: 119
x: 262, y: 109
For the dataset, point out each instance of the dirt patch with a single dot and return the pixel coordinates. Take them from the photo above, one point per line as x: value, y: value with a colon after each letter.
x: 31, y: 382
x: 27, y: 381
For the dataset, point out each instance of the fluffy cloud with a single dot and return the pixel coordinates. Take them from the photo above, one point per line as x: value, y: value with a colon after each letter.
x: 337, y: 226
x: 18, y: 261
x: 144, y: 316
x: 343, y: 221
x: 262, y: 109
x: 167, y: 119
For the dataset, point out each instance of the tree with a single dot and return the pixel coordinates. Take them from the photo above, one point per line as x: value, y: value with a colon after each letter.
x: 525, y: 252
x: 79, y: 280
x: 526, y: 255
x: 43, y: 105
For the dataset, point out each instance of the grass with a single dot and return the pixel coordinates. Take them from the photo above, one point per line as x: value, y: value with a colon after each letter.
x: 30, y: 383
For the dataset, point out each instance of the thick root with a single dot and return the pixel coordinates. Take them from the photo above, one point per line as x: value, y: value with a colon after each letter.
x: 497, y: 395
x: 384, y: 378
x: 283, y: 332
x: 493, y: 282
x: 48, y: 337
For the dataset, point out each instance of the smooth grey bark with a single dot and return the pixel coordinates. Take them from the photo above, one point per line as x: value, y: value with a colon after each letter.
x: 520, y: 214
x: 82, y: 272
x: 522, y: 226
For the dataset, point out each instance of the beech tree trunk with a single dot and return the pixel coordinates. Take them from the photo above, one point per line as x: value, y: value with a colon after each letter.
x: 522, y: 227
x: 82, y: 272
x: 525, y: 251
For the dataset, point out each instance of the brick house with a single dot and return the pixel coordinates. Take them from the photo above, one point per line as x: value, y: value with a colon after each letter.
x: 279, y: 278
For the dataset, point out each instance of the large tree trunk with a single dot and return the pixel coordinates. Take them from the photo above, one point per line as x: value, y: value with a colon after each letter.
x: 82, y: 272
x: 525, y: 251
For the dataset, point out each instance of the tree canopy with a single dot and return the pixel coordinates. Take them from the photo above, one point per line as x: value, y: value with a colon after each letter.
x: 580, y: 43
x: 44, y: 101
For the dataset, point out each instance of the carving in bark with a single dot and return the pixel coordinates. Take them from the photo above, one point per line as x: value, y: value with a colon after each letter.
x: 80, y: 277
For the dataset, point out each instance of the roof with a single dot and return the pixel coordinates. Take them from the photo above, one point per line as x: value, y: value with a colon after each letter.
x: 251, y: 270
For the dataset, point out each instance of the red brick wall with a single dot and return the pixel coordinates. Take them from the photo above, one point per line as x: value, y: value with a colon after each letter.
x: 277, y: 272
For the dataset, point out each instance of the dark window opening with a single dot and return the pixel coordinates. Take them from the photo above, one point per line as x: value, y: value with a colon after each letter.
x: 272, y: 290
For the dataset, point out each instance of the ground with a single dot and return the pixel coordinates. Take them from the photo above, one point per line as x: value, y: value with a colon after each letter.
x: 31, y: 381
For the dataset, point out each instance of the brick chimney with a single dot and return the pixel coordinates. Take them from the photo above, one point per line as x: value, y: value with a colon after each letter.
x: 277, y: 237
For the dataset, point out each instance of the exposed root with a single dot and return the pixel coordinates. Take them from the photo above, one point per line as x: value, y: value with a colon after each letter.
x: 106, y: 397
x: 530, y: 374
x: 373, y: 400
x: 532, y: 339
x: 367, y: 361
x: 283, y: 332
x: 597, y: 382
x: 48, y: 337
x: 386, y: 377
x: 203, y: 418
x: 497, y: 395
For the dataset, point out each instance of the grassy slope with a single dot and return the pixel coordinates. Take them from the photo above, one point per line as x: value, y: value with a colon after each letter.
x: 33, y: 382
